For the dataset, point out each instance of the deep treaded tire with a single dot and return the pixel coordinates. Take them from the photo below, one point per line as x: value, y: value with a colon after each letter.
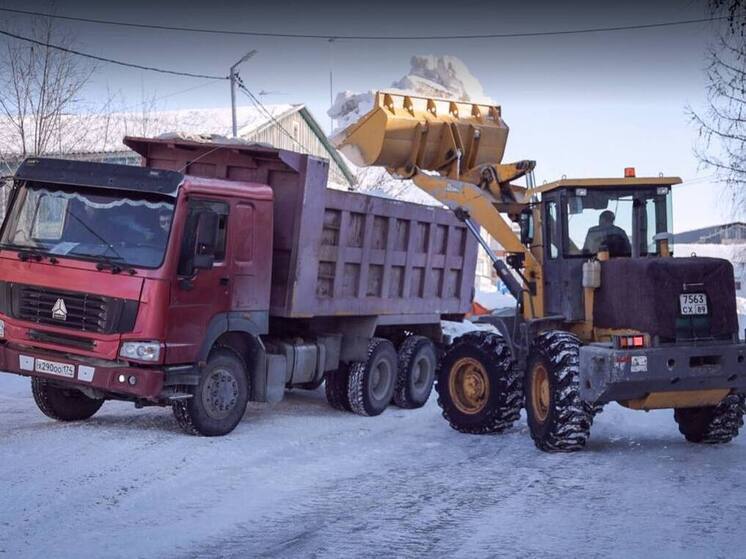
x: 712, y: 424
x: 558, y: 420
x: 219, y: 401
x: 335, y: 387
x: 416, y: 374
x: 478, y: 388
x: 63, y: 404
x: 371, y: 383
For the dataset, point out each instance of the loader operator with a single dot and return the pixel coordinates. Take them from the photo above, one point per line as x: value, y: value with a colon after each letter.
x: 607, y: 235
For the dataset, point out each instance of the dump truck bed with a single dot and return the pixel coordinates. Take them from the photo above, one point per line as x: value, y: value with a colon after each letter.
x: 338, y: 253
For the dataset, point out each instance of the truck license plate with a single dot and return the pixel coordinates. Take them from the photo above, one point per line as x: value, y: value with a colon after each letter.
x: 54, y: 368
x: 693, y: 303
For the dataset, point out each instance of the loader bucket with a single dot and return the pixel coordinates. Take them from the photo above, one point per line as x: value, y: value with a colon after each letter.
x: 402, y: 131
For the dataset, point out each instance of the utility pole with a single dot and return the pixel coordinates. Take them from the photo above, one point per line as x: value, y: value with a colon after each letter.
x: 233, y: 76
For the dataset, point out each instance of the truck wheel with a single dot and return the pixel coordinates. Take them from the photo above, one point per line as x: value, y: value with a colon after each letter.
x: 371, y: 383
x: 478, y: 388
x: 63, y: 404
x: 335, y: 387
x: 219, y: 401
x: 558, y: 420
x: 712, y: 424
x: 416, y: 373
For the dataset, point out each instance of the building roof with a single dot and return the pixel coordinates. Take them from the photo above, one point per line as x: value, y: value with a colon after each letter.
x: 715, y: 234
x: 103, y: 133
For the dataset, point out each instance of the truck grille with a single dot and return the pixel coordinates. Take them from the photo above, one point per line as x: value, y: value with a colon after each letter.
x: 85, y: 312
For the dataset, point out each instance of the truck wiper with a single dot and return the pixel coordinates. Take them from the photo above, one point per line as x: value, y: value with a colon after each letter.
x: 94, y: 233
x: 110, y: 263
x: 26, y: 253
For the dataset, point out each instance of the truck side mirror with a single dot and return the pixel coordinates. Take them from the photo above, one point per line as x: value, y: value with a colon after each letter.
x: 526, y: 222
x: 205, y: 241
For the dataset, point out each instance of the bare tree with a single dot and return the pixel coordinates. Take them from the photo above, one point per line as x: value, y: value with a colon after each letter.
x: 39, y: 89
x: 722, y: 124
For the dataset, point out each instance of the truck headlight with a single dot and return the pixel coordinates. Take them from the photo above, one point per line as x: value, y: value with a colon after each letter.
x: 2, y: 328
x: 141, y: 351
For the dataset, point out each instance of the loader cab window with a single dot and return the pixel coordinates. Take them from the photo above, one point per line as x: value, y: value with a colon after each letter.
x: 552, y: 230
x: 598, y: 219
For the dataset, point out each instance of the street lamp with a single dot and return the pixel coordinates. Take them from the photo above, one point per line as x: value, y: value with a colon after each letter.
x: 233, y: 76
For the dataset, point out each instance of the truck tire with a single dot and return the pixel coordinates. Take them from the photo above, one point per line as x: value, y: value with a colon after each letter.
x: 712, y: 424
x: 335, y: 387
x: 558, y: 420
x: 371, y: 382
x: 416, y: 372
x: 478, y: 387
x: 219, y: 401
x: 63, y: 404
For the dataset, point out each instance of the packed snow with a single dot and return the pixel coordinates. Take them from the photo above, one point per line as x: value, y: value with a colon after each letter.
x: 299, y: 479
x: 431, y: 76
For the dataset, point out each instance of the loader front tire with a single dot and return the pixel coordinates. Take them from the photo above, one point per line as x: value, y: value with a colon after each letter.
x: 712, y: 424
x: 558, y: 420
x: 479, y: 390
x: 63, y: 404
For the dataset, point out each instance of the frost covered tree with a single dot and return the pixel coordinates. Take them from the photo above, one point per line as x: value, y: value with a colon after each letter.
x: 39, y: 87
x: 722, y: 124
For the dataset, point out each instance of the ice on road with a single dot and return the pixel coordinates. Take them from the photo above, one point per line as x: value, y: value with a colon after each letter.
x: 299, y: 479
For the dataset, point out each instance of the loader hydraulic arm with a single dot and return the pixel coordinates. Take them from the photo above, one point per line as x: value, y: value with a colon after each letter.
x: 453, y: 150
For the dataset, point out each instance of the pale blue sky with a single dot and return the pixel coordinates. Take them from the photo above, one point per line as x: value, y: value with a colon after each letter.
x: 581, y: 105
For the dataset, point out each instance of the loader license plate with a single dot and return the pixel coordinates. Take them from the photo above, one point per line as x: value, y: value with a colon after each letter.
x: 693, y: 303
x: 54, y: 368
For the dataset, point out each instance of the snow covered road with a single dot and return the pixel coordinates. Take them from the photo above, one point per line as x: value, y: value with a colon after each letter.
x: 300, y: 479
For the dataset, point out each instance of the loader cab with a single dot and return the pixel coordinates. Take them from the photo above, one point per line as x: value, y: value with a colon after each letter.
x: 591, y: 219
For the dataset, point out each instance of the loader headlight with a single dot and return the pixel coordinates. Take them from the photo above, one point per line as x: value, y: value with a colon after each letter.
x: 141, y: 351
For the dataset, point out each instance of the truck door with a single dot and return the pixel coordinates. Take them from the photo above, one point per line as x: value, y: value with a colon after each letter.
x: 201, y: 289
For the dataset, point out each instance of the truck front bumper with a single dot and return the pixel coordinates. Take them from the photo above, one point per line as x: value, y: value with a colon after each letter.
x: 608, y: 374
x: 108, y: 377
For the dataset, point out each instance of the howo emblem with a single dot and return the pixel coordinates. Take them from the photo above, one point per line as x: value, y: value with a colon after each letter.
x: 59, y: 310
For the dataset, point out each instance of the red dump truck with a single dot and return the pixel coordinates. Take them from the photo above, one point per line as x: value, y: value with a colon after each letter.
x: 218, y: 274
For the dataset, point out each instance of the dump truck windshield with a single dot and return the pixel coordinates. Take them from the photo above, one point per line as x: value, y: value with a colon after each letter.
x: 122, y: 227
x: 615, y: 220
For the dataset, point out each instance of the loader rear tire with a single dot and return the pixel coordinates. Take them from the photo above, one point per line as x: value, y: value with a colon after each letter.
x: 558, y: 420
x: 712, y: 424
x: 371, y: 383
x: 63, y: 404
x: 335, y: 387
x: 416, y: 374
x: 478, y: 388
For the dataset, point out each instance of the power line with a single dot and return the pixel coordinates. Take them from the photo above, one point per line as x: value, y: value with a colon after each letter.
x: 258, y: 104
x: 110, y: 60
x: 366, y: 37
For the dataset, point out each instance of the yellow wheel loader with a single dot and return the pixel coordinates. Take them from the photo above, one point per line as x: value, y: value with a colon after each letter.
x: 604, y: 312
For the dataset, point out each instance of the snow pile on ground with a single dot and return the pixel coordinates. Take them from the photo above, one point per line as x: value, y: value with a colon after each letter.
x: 494, y: 296
x: 430, y: 76
x: 300, y: 479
